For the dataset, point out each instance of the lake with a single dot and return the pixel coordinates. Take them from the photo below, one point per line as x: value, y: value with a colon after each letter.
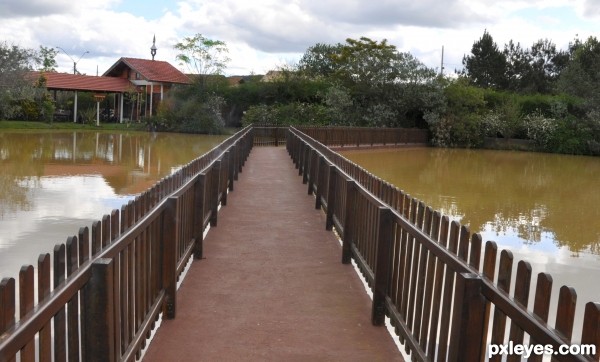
x: 545, y: 208
x: 53, y: 183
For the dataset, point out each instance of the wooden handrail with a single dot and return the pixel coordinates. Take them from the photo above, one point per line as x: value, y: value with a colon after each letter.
x: 414, y: 241
x: 112, y: 241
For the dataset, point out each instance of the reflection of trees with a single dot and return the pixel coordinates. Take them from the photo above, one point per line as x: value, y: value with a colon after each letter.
x: 13, y: 196
x: 123, y: 159
x: 524, y: 193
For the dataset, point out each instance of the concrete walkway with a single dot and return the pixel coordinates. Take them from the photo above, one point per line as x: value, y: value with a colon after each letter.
x: 272, y: 286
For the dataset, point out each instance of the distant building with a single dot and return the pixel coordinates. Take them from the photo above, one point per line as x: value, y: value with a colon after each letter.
x: 272, y: 75
x: 152, y: 77
x: 143, y: 82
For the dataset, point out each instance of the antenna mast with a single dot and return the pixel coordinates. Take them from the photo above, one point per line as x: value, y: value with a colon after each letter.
x: 442, y: 65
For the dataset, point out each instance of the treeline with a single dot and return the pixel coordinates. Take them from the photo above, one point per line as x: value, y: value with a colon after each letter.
x: 540, y: 93
x: 20, y: 96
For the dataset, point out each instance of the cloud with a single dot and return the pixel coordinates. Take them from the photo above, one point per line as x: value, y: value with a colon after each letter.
x: 591, y: 9
x: 425, y: 13
x: 265, y: 33
x: 33, y: 8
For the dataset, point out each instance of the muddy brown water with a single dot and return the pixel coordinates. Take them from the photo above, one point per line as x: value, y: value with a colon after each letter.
x: 545, y: 208
x: 52, y: 183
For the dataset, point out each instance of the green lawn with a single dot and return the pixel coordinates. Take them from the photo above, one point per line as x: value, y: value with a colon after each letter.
x: 70, y: 125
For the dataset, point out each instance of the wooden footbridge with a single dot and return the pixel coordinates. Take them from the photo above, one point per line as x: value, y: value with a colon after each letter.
x: 270, y: 280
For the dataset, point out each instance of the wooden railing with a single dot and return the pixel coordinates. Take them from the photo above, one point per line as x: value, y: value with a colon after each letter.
x: 360, y: 136
x: 270, y: 135
x: 428, y: 275
x: 109, y: 286
x: 267, y: 135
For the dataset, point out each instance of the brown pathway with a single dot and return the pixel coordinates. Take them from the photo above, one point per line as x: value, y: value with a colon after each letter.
x: 272, y: 287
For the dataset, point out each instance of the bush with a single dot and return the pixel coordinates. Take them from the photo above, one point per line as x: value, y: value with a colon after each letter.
x: 189, y: 115
x: 296, y: 113
x: 540, y: 129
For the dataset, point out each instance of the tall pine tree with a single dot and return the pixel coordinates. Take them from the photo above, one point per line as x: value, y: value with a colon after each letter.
x: 486, y: 66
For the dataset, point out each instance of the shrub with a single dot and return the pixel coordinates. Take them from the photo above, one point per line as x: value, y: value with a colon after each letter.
x: 540, y: 129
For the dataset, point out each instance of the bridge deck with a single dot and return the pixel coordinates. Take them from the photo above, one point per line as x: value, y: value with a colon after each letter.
x: 272, y: 286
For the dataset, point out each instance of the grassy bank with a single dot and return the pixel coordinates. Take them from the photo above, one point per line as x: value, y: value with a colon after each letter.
x: 6, y: 125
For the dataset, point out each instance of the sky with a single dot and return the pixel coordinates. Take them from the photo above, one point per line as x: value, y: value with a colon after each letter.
x: 264, y: 35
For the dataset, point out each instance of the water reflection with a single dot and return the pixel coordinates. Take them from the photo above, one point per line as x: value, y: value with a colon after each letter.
x: 52, y: 183
x: 543, y: 201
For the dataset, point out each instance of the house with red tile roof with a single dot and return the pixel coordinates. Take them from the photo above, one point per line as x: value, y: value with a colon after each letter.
x: 154, y: 76
x: 144, y: 82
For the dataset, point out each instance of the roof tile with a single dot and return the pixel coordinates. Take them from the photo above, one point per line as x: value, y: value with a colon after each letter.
x: 66, y: 81
x: 154, y: 70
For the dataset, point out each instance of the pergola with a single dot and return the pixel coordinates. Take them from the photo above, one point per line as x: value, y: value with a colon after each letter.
x: 85, y: 83
x: 127, y: 74
x: 156, y: 76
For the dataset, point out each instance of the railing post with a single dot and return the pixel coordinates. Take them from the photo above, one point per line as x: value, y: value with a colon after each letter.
x: 468, y: 319
x: 313, y: 168
x: 169, y: 241
x: 320, y: 178
x: 348, y: 236
x: 330, y: 198
x: 230, y: 166
x: 99, y: 312
x: 215, y: 174
x: 382, y: 264
x: 224, y: 179
x: 305, y: 163
x: 236, y: 160
x: 301, y: 158
x: 199, y: 198
x: 306, y: 168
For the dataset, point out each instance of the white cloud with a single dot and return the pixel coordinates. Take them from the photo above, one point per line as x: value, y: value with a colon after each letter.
x: 265, y: 33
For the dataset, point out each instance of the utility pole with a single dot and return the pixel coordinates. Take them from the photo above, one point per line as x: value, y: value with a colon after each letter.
x: 74, y: 61
x: 442, y: 65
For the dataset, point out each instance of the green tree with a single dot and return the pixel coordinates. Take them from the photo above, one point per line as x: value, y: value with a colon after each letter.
x: 486, y: 66
x: 203, y: 57
x: 366, y: 62
x: 15, y: 63
x: 317, y: 61
x: 517, y: 64
x: 581, y: 77
x: 546, y: 64
x: 46, y: 59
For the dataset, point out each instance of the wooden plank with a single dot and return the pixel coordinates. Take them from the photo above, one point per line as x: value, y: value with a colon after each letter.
x: 521, y: 296
x: 405, y: 257
x: 26, y: 302
x: 99, y: 312
x: 437, y: 293
x: 417, y: 215
x: 504, y: 280
x: 60, y: 342
x: 448, y: 292
x: 105, y: 231
x: 475, y: 252
x: 590, y: 333
x: 96, y: 237
x: 7, y: 308
x: 72, y: 306
x: 467, y: 319
x: 429, y: 285
x: 383, y: 265
x: 488, y: 271
x: 541, y: 305
x: 44, y: 286
x: 463, y: 247
x: 565, y: 312
x: 349, y: 229
x: 421, y: 279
